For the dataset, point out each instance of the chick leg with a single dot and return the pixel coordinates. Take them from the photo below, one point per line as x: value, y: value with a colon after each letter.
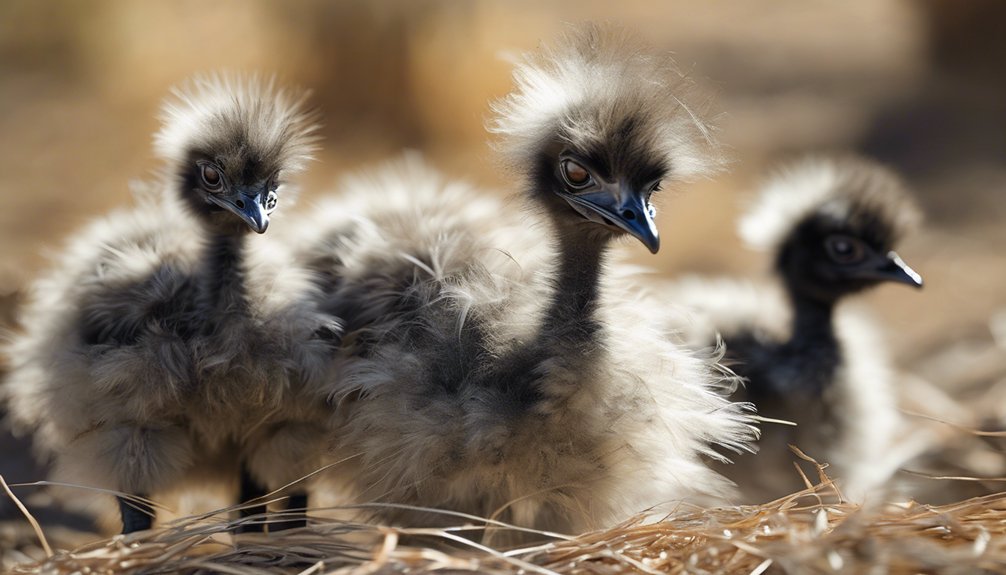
x: 136, y: 515
x: 134, y: 459
x: 251, y: 490
x: 296, y: 513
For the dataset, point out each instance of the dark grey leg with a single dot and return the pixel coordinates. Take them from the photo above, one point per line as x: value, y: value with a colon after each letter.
x: 136, y: 515
x: 250, y: 490
x: 296, y: 511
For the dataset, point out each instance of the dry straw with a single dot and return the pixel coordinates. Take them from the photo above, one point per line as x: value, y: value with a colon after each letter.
x: 812, y: 531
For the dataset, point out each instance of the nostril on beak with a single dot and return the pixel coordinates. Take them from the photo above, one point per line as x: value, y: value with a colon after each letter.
x: 240, y: 204
x: 629, y: 215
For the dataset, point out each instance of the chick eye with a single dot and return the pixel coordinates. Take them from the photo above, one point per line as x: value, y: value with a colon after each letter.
x: 575, y: 175
x: 845, y: 249
x: 211, y: 177
x: 270, y: 201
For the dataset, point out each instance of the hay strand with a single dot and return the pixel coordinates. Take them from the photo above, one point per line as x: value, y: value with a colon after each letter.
x: 813, y: 531
x: 27, y: 514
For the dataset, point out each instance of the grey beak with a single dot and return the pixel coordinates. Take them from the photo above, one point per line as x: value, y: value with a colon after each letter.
x: 620, y: 206
x: 889, y: 268
x: 247, y: 204
x: 899, y: 271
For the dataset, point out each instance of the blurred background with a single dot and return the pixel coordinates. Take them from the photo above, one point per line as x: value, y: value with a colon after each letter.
x: 920, y: 85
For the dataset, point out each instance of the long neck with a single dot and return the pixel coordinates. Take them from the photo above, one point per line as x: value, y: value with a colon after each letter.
x: 566, y: 339
x: 812, y: 320
x: 807, y: 362
x: 222, y: 278
x: 812, y: 352
x: 570, y: 318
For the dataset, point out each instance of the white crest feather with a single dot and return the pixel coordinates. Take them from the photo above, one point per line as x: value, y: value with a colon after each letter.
x: 587, y: 85
x: 841, y: 187
x: 249, y: 110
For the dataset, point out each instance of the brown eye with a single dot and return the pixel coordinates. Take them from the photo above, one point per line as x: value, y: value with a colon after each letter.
x: 211, y: 177
x: 845, y: 249
x: 575, y: 175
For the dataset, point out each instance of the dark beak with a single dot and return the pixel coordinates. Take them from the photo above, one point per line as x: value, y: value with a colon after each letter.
x: 619, y: 206
x: 247, y: 203
x: 889, y: 268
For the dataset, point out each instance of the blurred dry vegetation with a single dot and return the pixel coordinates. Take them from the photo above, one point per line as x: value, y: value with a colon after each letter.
x: 920, y: 85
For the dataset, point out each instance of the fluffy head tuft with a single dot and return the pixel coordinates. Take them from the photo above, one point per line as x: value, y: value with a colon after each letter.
x: 854, y: 190
x: 592, y: 86
x: 218, y: 113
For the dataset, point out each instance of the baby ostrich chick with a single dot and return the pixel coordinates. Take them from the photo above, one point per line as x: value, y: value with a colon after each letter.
x: 165, y: 337
x: 496, y: 370
x: 831, y: 225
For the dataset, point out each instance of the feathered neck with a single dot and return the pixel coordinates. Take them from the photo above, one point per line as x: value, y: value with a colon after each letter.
x: 566, y: 339
x: 812, y: 320
x: 571, y: 315
x: 812, y: 352
x: 222, y: 277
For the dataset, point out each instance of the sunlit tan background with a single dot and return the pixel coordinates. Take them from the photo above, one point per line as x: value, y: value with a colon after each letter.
x: 920, y: 85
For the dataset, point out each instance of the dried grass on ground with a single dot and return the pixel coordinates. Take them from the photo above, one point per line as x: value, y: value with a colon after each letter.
x: 809, y: 532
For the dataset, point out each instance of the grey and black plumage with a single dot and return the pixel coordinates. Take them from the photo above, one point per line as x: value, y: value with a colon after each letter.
x: 494, y: 364
x: 168, y: 333
x: 831, y: 226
